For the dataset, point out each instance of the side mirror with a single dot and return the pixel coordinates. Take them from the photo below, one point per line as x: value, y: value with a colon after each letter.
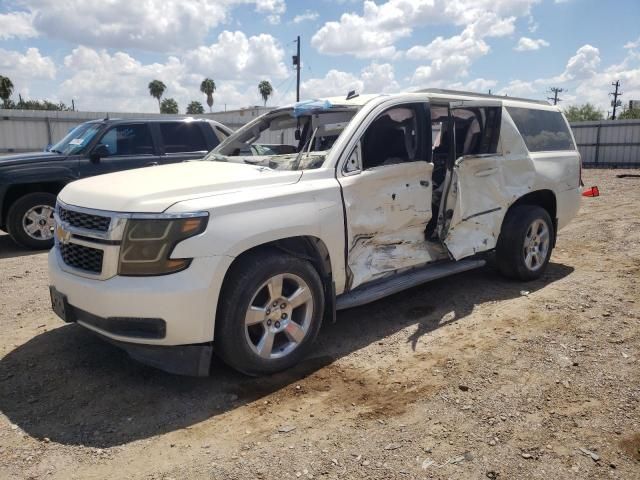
x: 98, y: 152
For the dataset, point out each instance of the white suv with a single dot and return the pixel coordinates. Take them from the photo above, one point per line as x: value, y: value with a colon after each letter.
x: 309, y: 209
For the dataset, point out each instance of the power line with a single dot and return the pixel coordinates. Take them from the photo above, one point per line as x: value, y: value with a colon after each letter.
x: 555, y: 99
x: 615, y: 103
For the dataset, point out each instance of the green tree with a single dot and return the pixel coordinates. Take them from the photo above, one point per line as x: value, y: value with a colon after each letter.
x: 265, y: 89
x: 6, y: 90
x: 195, y: 107
x: 169, y: 105
x: 208, y: 86
x: 156, y: 90
x: 581, y: 113
x: 629, y: 114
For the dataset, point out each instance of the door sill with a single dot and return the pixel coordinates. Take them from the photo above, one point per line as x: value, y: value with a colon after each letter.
x: 377, y: 289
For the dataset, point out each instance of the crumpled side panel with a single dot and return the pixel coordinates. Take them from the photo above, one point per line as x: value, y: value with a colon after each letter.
x: 387, y: 212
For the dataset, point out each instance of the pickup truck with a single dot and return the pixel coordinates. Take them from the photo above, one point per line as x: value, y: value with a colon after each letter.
x: 245, y: 253
x: 30, y: 182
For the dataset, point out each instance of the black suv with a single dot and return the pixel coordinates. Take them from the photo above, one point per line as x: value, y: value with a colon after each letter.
x: 30, y: 182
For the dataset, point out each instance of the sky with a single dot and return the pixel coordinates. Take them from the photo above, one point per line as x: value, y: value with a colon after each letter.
x: 102, y: 54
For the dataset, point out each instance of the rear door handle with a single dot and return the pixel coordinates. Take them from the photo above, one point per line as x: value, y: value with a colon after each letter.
x: 424, y: 183
x: 486, y: 172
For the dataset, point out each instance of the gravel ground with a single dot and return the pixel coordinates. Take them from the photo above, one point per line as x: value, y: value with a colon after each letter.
x: 467, y: 378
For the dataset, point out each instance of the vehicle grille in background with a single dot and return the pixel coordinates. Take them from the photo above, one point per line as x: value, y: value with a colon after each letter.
x: 84, y: 258
x: 84, y: 220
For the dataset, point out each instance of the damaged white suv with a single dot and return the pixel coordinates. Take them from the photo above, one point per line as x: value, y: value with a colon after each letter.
x: 309, y: 209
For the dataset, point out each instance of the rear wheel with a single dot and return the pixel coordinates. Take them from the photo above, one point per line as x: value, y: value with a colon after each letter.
x: 30, y: 220
x: 270, y: 313
x: 525, y: 244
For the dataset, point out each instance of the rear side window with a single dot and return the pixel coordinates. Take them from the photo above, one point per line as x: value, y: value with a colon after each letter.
x: 542, y: 130
x: 477, y: 130
x: 181, y: 137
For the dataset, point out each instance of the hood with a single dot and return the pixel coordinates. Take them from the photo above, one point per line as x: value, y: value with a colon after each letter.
x: 154, y: 189
x: 24, y: 158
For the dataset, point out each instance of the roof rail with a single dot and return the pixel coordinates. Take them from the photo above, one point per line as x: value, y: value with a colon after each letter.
x: 444, y: 91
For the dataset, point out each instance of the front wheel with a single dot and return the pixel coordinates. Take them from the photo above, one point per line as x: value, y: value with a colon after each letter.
x: 30, y: 220
x: 270, y: 312
x: 525, y: 243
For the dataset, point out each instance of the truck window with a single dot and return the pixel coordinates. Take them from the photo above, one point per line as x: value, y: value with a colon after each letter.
x: 181, y: 137
x: 394, y: 137
x: 128, y: 139
x: 542, y: 130
x: 477, y: 130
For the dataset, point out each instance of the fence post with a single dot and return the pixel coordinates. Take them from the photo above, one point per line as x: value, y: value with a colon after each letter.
x: 49, y: 136
x: 598, y: 143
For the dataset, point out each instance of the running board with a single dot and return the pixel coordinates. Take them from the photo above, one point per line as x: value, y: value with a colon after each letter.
x: 381, y: 288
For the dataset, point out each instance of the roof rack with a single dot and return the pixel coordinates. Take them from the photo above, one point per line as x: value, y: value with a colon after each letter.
x: 444, y: 91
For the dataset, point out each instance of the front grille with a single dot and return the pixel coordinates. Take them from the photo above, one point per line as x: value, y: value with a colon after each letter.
x: 84, y: 220
x: 84, y: 258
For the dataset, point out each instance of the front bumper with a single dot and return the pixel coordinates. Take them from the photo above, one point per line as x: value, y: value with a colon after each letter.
x: 185, y: 301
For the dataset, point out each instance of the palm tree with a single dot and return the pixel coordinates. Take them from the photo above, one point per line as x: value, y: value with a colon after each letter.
x: 208, y: 86
x: 156, y: 89
x: 169, y: 105
x: 6, y: 89
x: 195, y: 107
x: 265, y: 89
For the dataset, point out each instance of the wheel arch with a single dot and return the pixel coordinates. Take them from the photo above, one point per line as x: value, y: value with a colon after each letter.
x: 17, y: 191
x: 307, y: 247
x: 541, y: 198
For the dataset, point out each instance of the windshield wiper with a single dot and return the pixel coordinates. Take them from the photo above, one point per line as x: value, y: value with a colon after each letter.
x: 55, y: 151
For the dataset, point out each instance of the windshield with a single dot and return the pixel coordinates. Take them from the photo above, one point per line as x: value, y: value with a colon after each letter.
x: 285, y: 140
x: 76, y: 139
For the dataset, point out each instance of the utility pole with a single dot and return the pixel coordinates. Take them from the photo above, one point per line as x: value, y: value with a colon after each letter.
x: 296, y: 62
x: 555, y: 91
x: 615, y: 94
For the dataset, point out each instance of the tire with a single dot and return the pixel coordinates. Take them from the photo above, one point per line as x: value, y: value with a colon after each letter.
x: 30, y: 220
x: 523, y: 249
x: 243, y: 335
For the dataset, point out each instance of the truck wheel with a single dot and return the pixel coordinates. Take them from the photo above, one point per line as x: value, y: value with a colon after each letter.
x: 525, y: 243
x: 30, y: 220
x: 270, y: 312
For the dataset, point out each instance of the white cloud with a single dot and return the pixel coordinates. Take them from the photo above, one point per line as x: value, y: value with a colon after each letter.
x: 374, y: 78
x: 236, y: 56
x: 308, y: 15
x: 16, y: 24
x: 156, y: 25
x: 99, y: 80
x: 375, y: 32
x: 526, y: 44
x: 632, y: 45
x: 583, y: 64
x: 452, y: 57
x: 30, y: 65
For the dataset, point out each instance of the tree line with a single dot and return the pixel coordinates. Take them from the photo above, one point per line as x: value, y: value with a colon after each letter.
x: 207, y: 87
x: 6, y: 90
x: 574, y: 113
x: 156, y: 90
x: 587, y: 111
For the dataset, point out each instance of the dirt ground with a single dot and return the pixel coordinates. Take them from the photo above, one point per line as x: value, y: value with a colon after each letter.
x: 467, y: 378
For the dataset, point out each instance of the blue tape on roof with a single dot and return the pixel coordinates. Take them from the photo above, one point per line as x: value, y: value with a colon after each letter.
x: 310, y: 106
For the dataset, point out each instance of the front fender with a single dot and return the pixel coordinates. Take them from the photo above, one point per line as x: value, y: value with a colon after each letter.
x: 244, y: 220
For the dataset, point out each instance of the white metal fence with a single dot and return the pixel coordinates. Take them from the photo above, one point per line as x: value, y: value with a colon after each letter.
x: 608, y: 143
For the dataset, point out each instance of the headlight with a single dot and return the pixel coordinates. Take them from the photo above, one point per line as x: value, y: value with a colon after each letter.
x: 148, y: 243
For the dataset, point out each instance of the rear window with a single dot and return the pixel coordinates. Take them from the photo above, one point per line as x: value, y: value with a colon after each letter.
x: 181, y: 137
x: 542, y: 130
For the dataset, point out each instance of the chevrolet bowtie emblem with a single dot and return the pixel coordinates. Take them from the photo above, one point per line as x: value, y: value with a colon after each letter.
x: 62, y: 235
